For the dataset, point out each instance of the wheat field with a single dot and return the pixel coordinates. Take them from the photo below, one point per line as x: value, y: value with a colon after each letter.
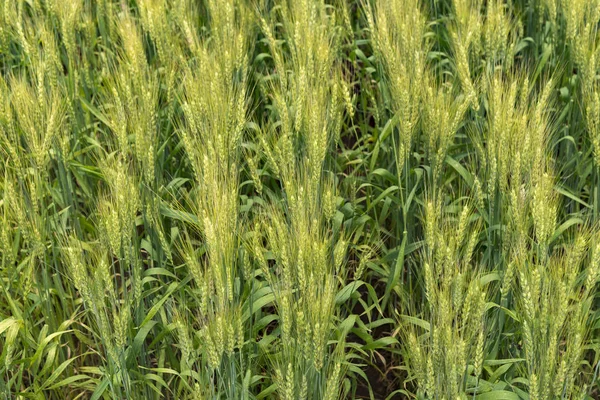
x: 300, y: 199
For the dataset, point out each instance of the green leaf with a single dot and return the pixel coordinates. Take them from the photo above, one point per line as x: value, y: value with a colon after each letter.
x: 492, y: 363
x: 179, y: 215
x: 564, y: 226
x: 42, y: 345
x: 395, y: 274
x: 384, y: 173
x: 258, y: 304
x: 140, y: 337
x: 347, y: 324
x: 159, y: 271
x: 381, y: 196
x: 159, y: 304
x: 100, y: 389
x: 7, y: 323
x: 381, y: 343
x: 498, y: 395
x: 571, y: 196
x: 500, y: 371
x: 417, y: 321
x: 345, y: 293
x: 462, y: 171
x: 68, y: 381
x: 58, y: 371
x: 484, y: 280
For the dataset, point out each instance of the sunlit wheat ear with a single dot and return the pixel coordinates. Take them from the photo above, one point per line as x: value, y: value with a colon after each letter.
x: 38, y: 112
x: 398, y: 30
x: 50, y: 53
x: 7, y: 257
x: 117, y: 210
x: 477, y: 31
x: 308, y: 110
x: 555, y: 305
x: 307, y: 104
x: 91, y: 276
x: 133, y: 111
x: 582, y: 35
x: 155, y: 20
x: 214, y: 107
x: 544, y: 204
x: 514, y: 139
x: 163, y: 22
x: 131, y: 101
x: 187, y: 187
x: 32, y: 115
x: 464, y: 32
x: 213, y: 97
x: 68, y: 14
x: 500, y: 33
x: 592, y: 117
x: 214, y: 102
x: 442, y: 116
x: 453, y: 306
x: 8, y: 130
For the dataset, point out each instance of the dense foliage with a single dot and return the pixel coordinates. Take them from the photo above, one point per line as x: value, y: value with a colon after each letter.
x: 299, y: 199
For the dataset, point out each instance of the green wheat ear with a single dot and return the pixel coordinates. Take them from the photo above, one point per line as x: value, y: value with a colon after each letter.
x: 399, y: 34
x: 453, y: 308
x: 299, y: 199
